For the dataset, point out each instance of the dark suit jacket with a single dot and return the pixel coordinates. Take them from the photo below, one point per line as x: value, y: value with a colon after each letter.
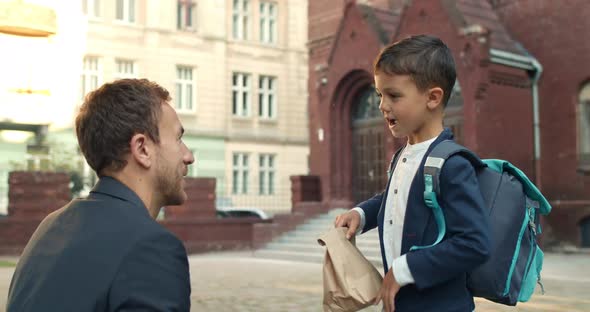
x: 103, y: 253
x: 439, y: 272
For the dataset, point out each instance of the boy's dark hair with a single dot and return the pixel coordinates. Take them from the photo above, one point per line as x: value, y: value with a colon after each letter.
x: 424, y: 58
x: 112, y: 114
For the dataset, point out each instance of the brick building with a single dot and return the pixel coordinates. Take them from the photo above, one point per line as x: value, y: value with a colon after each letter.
x: 512, y: 85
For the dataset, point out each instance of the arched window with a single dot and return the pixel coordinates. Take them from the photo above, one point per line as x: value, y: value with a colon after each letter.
x: 367, y: 106
x: 584, y: 126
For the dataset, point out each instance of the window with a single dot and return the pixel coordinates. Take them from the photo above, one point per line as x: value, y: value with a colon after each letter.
x: 266, y: 179
x: 90, y: 75
x: 584, y: 127
x: 125, y: 69
x: 240, y: 173
x: 91, y: 8
x: 184, y: 88
x: 267, y: 97
x: 241, y: 94
x: 185, y: 14
x: 268, y: 22
x: 240, y: 19
x: 126, y: 10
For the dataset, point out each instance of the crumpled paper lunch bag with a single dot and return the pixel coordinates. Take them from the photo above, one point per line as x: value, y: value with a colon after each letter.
x: 351, y: 282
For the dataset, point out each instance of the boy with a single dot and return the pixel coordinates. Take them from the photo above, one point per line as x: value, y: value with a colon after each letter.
x: 414, y: 78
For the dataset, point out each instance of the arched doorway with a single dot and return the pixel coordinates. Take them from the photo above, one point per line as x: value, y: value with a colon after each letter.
x: 368, y: 163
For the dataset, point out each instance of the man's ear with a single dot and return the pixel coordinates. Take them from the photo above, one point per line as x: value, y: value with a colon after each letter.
x: 141, y: 150
x: 435, y: 97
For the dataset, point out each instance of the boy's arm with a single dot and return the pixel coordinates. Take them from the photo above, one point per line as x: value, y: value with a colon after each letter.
x: 369, y: 209
x: 467, y: 242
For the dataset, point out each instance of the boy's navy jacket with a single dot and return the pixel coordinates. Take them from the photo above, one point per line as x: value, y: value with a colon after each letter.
x: 440, y: 272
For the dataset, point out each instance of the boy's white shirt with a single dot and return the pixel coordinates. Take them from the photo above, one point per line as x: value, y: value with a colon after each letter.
x: 395, y: 209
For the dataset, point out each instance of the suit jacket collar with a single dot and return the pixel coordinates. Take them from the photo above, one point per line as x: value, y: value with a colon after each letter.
x: 111, y: 187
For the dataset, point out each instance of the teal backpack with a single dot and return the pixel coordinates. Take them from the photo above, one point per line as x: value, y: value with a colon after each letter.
x: 514, y: 205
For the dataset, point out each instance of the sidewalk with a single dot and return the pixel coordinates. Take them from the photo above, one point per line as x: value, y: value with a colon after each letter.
x: 233, y: 281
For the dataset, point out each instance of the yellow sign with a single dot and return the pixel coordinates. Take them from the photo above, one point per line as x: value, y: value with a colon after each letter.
x: 26, y: 19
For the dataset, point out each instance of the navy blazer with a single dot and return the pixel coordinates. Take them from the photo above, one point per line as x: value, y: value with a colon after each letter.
x: 440, y: 272
x: 103, y: 253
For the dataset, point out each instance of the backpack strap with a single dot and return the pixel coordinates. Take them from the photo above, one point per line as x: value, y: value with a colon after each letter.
x: 432, y: 168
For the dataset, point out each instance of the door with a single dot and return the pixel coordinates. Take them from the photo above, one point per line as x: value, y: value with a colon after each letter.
x: 369, y: 169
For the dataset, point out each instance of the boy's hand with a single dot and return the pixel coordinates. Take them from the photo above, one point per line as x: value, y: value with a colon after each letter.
x: 351, y: 220
x: 388, y: 292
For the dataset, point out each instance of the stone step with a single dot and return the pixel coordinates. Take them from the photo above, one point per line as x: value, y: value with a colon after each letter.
x: 301, y: 244
x: 365, y: 250
x: 305, y: 257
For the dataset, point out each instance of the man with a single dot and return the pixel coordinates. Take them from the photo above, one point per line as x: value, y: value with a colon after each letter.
x: 106, y: 252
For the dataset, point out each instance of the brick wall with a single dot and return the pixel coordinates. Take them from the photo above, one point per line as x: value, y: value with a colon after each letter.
x: 31, y: 196
x: 552, y: 32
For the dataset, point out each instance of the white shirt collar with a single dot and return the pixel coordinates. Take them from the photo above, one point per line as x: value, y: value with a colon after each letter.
x: 419, y: 147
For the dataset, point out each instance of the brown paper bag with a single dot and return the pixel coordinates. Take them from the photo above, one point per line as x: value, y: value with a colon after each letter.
x: 351, y: 282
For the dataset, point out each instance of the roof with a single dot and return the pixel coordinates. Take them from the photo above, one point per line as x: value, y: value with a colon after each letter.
x: 474, y: 13
x: 383, y: 22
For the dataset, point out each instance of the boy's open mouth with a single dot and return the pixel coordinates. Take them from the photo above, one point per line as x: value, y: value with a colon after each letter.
x: 391, y: 121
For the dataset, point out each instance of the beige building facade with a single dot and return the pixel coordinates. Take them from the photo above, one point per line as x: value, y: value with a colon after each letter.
x: 237, y: 73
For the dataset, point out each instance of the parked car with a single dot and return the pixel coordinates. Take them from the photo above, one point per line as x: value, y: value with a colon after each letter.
x: 241, y: 212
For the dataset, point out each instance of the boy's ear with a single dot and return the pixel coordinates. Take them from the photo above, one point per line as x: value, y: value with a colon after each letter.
x: 435, y: 97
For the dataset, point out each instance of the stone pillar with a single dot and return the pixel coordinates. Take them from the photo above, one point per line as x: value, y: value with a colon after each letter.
x: 35, y: 194
x: 305, y: 189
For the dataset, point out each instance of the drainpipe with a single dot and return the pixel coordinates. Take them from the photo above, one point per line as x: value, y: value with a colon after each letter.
x: 530, y: 64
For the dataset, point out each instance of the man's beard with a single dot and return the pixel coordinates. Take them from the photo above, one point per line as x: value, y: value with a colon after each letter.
x: 169, y: 185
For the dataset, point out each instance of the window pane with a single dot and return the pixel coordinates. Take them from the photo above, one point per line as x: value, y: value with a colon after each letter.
x: 245, y: 160
x: 179, y: 96
x: 245, y: 80
x: 245, y: 27
x: 235, y: 160
x: 244, y: 104
x: 245, y: 182
x: 120, y: 9
x: 261, y: 161
x: 270, y: 106
x: 235, y: 102
x: 132, y: 10
x: 235, y: 80
x: 189, y: 96
x: 271, y: 182
x: 261, y: 110
x: 261, y: 183
x: 235, y: 182
x: 271, y: 161
x: 179, y: 15
x: 235, y: 29
x: 189, y: 15
x: 271, y: 29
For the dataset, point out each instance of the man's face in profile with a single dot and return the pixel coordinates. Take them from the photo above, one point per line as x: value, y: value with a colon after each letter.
x: 172, y: 158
